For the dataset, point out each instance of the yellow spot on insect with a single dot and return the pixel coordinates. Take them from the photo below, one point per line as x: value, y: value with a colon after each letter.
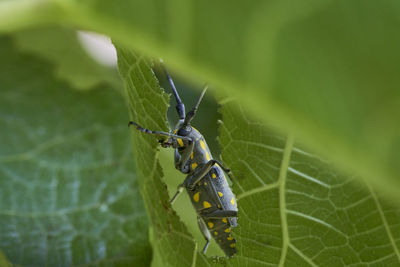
x: 180, y: 142
x: 219, y: 206
x: 208, y: 156
x: 175, y: 131
x: 215, y: 233
x: 205, y: 183
x: 213, y: 175
x: 194, y: 165
x: 224, y: 220
x: 233, y: 201
x: 230, y: 238
x: 206, y: 204
x: 220, y: 194
x: 227, y: 230
x: 232, y: 245
x: 196, y: 197
x: 191, y: 156
x: 210, y: 224
x: 203, y: 146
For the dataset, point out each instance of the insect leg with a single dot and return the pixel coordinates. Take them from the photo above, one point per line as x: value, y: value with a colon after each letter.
x: 180, y: 107
x: 220, y: 214
x: 228, y: 171
x: 178, y: 192
x: 222, y: 166
x: 205, y: 232
x: 200, y: 172
x: 147, y: 131
x: 181, y: 160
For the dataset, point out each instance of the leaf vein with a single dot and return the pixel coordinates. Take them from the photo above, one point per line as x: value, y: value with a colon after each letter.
x: 308, y: 217
x: 282, y: 200
x: 256, y: 190
x: 308, y: 177
x: 385, y: 223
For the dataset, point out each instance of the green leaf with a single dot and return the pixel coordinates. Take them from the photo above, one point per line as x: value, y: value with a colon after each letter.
x: 21, y: 14
x: 68, y: 190
x: 172, y: 244
x: 61, y: 46
x: 3, y: 260
x: 297, y: 209
x: 326, y: 70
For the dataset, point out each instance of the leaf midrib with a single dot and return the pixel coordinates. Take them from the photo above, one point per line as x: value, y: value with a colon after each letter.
x: 284, y: 169
x: 282, y: 201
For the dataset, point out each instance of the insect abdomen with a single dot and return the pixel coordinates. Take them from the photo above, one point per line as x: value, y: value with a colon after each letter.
x: 213, y: 193
x: 220, y: 229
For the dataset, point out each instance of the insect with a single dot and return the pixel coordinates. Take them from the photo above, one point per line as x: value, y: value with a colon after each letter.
x: 205, y: 182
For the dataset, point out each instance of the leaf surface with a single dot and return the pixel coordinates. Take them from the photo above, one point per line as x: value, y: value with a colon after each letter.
x: 68, y: 190
x: 295, y: 208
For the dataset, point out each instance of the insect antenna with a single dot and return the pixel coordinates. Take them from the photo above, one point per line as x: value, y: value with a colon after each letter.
x: 190, y: 115
x: 180, y: 107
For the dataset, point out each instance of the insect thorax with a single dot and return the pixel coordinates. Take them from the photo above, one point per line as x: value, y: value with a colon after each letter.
x: 200, y: 155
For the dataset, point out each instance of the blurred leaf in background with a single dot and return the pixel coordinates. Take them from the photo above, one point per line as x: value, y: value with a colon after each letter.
x: 69, y: 194
x: 326, y: 70
x: 61, y: 46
